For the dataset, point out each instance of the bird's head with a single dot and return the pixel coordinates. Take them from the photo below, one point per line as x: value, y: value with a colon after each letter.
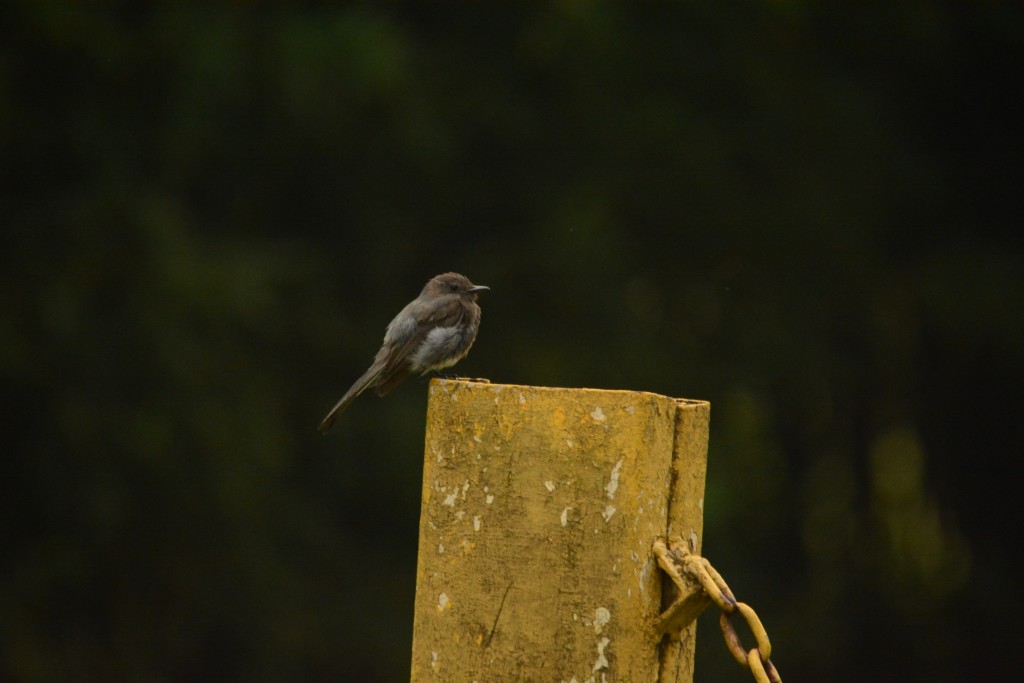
x: 453, y: 283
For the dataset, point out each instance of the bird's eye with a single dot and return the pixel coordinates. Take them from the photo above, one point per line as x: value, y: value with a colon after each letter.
x: 454, y: 287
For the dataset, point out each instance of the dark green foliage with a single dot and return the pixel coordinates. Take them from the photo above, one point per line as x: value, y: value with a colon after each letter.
x: 808, y: 217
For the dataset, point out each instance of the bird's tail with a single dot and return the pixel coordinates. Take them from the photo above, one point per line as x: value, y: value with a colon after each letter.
x: 361, y: 385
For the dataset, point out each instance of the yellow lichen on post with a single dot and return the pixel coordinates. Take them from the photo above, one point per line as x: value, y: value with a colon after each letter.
x: 540, y: 507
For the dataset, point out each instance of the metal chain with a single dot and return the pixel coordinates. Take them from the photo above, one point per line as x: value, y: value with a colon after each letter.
x: 679, y: 562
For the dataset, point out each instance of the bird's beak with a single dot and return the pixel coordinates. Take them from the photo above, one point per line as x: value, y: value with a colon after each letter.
x: 478, y: 288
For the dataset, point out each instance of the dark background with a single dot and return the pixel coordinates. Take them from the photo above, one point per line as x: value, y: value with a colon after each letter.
x: 808, y: 216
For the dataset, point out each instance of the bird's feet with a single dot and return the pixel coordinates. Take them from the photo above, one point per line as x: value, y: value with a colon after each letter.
x: 482, y: 380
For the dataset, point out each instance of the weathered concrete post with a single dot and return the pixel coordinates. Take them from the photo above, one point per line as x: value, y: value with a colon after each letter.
x: 540, y: 507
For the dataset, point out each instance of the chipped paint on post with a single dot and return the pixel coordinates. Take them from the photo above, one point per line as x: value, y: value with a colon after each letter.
x: 613, y: 482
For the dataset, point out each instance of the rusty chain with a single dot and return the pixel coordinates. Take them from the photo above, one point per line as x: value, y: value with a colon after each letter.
x: 681, y: 564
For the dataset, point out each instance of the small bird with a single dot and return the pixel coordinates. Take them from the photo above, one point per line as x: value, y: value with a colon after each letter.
x: 434, y: 331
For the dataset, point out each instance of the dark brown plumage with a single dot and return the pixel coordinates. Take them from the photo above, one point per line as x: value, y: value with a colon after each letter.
x: 434, y: 331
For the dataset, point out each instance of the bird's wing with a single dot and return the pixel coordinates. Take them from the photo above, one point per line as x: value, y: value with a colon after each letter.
x: 397, y: 369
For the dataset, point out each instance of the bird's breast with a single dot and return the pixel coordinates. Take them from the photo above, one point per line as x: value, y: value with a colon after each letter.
x: 443, y: 347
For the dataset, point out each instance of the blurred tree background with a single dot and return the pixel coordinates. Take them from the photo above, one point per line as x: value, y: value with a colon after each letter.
x: 809, y: 217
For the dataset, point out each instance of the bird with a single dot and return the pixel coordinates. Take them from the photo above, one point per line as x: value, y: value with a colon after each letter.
x: 434, y: 331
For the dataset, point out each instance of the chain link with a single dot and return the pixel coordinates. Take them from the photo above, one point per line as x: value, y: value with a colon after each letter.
x: 680, y: 563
